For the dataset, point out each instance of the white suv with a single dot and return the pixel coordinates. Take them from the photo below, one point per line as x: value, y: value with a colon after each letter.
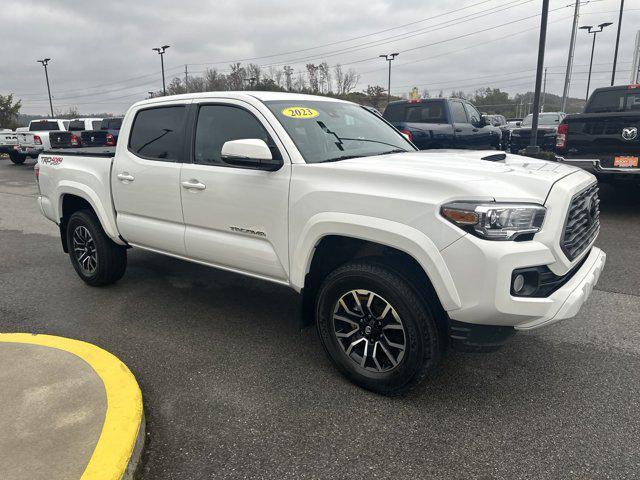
x: 397, y: 254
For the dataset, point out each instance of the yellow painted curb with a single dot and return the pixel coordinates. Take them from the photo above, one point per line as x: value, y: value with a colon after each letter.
x: 123, y: 417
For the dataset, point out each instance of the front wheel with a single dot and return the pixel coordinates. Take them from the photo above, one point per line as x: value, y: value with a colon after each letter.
x: 94, y: 256
x: 17, y: 158
x: 376, y: 329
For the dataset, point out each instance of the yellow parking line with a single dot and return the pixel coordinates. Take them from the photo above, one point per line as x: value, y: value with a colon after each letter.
x: 124, y: 403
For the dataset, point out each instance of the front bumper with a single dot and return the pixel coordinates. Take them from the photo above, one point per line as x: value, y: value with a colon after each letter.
x: 594, y: 165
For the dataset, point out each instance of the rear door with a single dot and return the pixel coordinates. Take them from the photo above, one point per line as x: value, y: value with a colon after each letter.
x: 235, y: 217
x: 145, y: 178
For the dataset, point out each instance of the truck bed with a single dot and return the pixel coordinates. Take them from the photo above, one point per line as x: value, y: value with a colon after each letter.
x: 83, y: 152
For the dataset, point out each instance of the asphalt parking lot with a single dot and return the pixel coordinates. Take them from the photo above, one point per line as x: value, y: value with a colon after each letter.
x: 232, y: 388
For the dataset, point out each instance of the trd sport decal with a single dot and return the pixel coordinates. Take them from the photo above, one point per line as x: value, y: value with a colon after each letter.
x: 51, y: 160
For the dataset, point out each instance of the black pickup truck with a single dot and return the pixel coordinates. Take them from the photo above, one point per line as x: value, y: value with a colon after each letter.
x: 443, y: 123
x: 605, y: 139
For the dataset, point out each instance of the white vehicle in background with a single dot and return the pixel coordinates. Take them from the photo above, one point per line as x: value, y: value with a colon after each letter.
x: 79, y: 125
x: 43, y: 135
x: 397, y: 254
x: 8, y: 142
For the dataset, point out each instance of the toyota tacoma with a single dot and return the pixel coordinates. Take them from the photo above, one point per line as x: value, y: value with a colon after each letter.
x: 398, y: 255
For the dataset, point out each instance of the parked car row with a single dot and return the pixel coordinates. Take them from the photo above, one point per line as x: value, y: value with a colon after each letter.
x: 53, y: 133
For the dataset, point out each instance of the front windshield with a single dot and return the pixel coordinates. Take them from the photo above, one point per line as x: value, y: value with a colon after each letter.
x: 326, y: 131
x: 543, y: 119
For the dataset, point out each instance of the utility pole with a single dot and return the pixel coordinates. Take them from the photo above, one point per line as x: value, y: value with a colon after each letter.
x: 615, y: 54
x: 544, y: 89
x: 635, y: 68
x: 572, y: 46
x: 44, y: 63
x: 389, y: 58
x: 160, y: 51
x: 186, y: 79
x: 533, y: 147
x: 594, y: 32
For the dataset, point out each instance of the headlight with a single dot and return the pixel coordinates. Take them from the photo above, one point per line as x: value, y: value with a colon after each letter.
x: 495, y: 221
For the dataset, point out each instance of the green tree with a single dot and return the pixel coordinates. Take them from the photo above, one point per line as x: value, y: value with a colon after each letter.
x: 9, y: 111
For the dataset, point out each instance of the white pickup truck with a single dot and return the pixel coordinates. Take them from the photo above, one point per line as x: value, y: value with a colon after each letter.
x: 8, y: 142
x: 43, y: 135
x: 397, y: 254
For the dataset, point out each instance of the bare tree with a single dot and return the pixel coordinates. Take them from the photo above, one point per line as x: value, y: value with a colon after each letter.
x: 214, y: 81
x: 236, y: 78
x: 288, y: 71
x: 339, y: 77
x: 277, y: 77
x: 312, y: 73
x: 300, y: 83
x: 377, y: 96
x: 349, y: 81
x: 324, y: 77
x: 254, y: 72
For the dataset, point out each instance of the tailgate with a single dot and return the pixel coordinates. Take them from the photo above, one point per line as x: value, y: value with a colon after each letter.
x: 26, y: 139
x: 60, y: 139
x: 602, y: 136
x: 8, y: 138
x: 94, y: 138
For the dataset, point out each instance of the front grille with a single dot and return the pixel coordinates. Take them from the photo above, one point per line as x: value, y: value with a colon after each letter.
x: 583, y: 222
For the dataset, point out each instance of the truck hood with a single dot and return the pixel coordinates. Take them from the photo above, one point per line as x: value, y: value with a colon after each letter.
x: 463, y: 172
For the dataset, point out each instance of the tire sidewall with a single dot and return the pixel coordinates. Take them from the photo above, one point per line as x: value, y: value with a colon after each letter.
x: 83, y: 219
x: 421, y: 334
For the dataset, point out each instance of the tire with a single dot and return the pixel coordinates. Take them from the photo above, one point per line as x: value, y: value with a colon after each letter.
x: 106, y: 261
x: 17, y: 158
x: 417, y: 332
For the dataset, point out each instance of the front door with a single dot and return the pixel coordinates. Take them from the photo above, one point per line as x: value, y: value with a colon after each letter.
x: 235, y: 218
x: 146, y: 179
x: 481, y: 134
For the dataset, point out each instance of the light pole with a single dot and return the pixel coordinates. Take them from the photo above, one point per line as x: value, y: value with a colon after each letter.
x: 44, y: 63
x: 533, y: 148
x: 590, y: 29
x: 160, y: 51
x: 389, y: 58
x: 572, y: 47
x: 615, y: 53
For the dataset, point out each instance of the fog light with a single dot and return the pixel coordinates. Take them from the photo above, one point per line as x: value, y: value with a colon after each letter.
x: 518, y: 283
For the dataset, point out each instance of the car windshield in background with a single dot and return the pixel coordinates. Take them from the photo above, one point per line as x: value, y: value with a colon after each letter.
x: 547, y: 119
x: 327, y: 131
x: 614, y: 101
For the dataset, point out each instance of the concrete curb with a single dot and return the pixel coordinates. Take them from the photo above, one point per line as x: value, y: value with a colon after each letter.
x: 118, y: 450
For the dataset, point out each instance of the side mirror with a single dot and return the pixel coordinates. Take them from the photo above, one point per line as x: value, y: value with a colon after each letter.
x: 250, y: 153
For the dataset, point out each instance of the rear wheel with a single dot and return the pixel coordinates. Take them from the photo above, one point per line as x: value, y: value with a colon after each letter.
x: 94, y: 256
x: 17, y: 158
x: 376, y: 329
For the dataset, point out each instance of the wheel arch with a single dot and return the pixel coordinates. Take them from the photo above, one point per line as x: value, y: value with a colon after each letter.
x: 74, y: 197
x: 360, y: 236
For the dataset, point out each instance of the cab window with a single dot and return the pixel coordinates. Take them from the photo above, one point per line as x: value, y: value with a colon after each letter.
x: 158, y: 133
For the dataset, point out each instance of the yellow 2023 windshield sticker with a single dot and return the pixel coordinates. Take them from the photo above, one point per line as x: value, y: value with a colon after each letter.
x: 299, y: 112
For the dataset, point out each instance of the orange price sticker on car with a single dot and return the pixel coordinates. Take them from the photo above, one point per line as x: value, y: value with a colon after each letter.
x: 625, y: 162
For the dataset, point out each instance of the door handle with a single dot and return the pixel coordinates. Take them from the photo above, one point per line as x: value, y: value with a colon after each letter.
x: 475, y: 130
x: 458, y: 130
x: 193, y: 184
x: 125, y: 177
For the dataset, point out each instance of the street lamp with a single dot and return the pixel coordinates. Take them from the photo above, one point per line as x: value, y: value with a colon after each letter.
x: 44, y: 63
x: 160, y: 51
x: 590, y: 29
x: 389, y: 58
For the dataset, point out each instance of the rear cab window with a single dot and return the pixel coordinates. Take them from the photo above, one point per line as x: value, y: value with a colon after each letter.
x: 619, y: 100
x: 43, y: 126
x: 418, y: 112
x: 158, y: 133
x: 76, y: 125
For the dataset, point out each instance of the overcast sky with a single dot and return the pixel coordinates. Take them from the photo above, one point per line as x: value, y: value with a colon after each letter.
x: 102, y: 59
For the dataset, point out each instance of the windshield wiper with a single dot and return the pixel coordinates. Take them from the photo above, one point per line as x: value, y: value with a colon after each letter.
x: 395, y: 150
x: 337, y: 159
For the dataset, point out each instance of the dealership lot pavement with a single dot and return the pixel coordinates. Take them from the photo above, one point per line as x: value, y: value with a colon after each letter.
x: 232, y: 389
